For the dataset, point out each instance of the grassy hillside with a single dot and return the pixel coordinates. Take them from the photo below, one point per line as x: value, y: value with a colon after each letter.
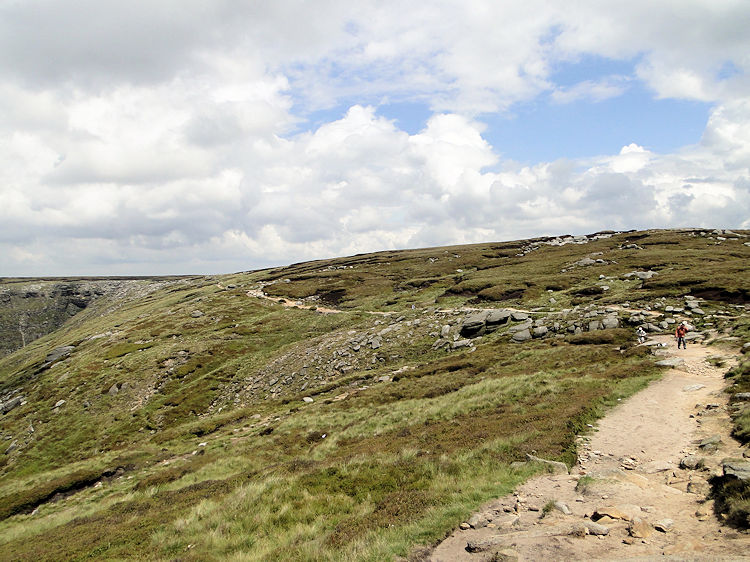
x: 352, y: 408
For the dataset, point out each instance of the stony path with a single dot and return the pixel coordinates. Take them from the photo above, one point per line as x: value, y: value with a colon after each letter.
x: 629, y: 480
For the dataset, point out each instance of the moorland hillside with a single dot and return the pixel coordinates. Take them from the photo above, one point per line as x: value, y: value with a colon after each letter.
x: 351, y: 408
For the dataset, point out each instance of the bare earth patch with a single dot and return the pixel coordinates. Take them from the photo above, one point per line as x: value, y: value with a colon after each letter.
x: 628, y: 483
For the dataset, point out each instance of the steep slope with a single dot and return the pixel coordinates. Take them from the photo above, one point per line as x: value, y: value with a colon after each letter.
x: 240, y: 415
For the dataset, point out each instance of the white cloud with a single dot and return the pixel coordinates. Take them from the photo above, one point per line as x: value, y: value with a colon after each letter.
x: 141, y: 138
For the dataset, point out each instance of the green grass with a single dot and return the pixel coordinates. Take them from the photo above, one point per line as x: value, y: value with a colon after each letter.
x: 219, y: 462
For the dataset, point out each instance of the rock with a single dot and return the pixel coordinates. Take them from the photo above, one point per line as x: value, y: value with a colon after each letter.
x: 461, y: 343
x: 640, y: 529
x: 375, y: 343
x: 556, y: 466
x: 497, y: 318
x: 693, y: 387
x: 59, y: 353
x: 474, y: 324
x: 540, y: 331
x: 585, y: 262
x: 521, y: 336
x: 113, y: 390
x: 478, y: 520
x: 196, y: 314
x: 577, y: 530
x: 691, y: 462
x: 609, y: 322
x: 562, y: 508
x: 611, y: 512
x: 737, y: 468
x: 595, y: 325
x: 671, y: 362
x: 656, y: 466
x: 741, y: 396
x: 12, y: 447
x: 517, y: 316
x: 445, y: 331
x: 6, y: 407
x: 483, y: 545
x: 664, y: 525
x: 596, y: 529
x: 59, y: 403
x: 710, y: 442
x: 307, y: 399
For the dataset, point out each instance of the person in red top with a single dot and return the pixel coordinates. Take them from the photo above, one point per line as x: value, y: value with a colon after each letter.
x: 680, y: 334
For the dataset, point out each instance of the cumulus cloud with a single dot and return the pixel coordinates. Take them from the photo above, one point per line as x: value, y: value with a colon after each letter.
x: 142, y: 138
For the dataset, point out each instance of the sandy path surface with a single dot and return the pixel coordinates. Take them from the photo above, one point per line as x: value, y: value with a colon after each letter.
x: 629, y: 467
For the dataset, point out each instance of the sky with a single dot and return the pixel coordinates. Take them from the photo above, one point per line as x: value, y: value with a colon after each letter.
x: 215, y: 136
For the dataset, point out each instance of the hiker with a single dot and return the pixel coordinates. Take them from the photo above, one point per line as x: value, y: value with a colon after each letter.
x: 641, y: 333
x: 680, y: 334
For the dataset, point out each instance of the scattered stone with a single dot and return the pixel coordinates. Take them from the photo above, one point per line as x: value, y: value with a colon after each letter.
x: 478, y: 520
x: 562, y: 508
x: 517, y: 316
x: 196, y: 314
x: 671, y: 362
x: 464, y: 526
x: 640, y: 529
x: 611, y: 512
x: 483, y: 545
x: 691, y: 462
x: 654, y: 467
x: 596, y: 528
x: 307, y: 399
x: 664, y: 525
x: 113, y: 390
x: 59, y: 403
x: 540, y: 331
x: 693, y: 387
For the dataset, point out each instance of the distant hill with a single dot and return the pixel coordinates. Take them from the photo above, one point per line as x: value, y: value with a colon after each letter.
x: 351, y: 408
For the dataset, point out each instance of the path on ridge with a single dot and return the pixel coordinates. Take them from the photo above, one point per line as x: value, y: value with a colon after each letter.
x: 632, y: 464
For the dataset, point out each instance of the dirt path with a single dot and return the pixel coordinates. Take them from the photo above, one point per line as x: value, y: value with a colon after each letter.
x: 630, y: 468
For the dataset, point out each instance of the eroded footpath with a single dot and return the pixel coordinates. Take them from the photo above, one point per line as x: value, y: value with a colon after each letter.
x: 640, y: 488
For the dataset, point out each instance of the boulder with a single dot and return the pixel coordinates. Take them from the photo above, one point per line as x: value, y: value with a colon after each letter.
x: 497, y: 318
x: 59, y: 353
x: 737, y: 468
x: 113, y: 390
x: 474, y: 324
x: 585, y: 262
x: 521, y: 336
x: 610, y: 322
x: 517, y: 316
x: 540, y: 331
x: 691, y: 462
x: 6, y: 407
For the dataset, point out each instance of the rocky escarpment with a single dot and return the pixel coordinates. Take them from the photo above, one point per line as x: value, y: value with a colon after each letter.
x: 32, y: 309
